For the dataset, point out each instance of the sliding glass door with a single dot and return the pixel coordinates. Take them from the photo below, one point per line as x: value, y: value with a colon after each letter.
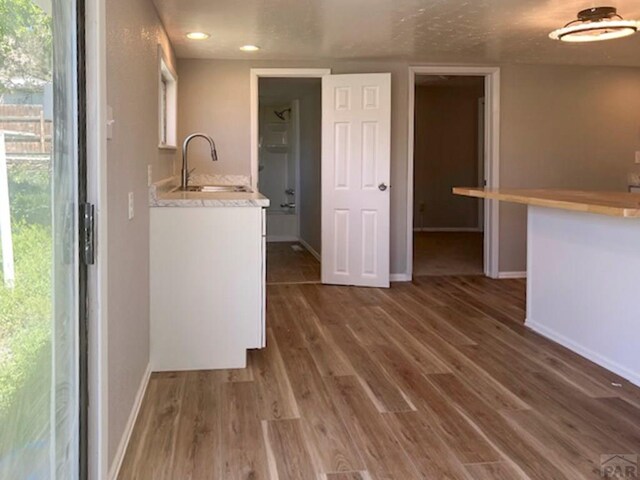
x: 42, y: 276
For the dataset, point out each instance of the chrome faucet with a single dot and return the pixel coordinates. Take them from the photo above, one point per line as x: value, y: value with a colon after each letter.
x: 185, y: 145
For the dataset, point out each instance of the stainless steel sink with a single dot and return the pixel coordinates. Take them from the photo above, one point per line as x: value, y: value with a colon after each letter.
x: 215, y: 188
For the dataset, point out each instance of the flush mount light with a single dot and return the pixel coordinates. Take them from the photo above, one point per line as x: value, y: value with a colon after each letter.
x: 197, y: 36
x: 594, y: 24
x: 249, y: 48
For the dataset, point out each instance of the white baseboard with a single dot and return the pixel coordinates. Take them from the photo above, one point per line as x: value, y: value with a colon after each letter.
x: 400, y: 277
x: 633, y: 377
x: 448, y: 229
x: 505, y: 275
x: 310, y: 249
x: 282, y: 238
x: 128, y: 429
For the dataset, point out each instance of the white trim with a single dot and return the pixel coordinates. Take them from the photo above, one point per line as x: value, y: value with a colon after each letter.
x: 492, y: 156
x: 449, y: 229
x: 255, y: 75
x: 167, y: 73
x: 310, y: 249
x: 96, y: 67
x: 505, y: 275
x: 633, y: 377
x: 399, y: 277
x: 281, y: 238
x: 295, y: 114
x: 128, y: 429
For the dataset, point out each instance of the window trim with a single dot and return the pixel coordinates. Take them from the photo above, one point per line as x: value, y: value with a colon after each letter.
x: 169, y: 115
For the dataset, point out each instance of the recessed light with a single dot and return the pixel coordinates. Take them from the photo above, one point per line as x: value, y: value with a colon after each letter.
x: 197, y: 36
x: 249, y: 48
x: 593, y: 24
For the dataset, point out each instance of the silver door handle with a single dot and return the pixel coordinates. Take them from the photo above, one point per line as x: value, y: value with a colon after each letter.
x: 382, y: 187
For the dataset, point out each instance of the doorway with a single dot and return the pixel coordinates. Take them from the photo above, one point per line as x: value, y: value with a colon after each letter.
x: 448, y: 230
x: 453, y: 142
x: 289, y: 136
x: 354, y: 173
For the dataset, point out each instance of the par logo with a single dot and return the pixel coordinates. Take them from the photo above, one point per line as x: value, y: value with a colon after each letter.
x: 619, y: 465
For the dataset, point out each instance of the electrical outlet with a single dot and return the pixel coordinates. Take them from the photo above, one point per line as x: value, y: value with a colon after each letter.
x: 638, y: 157
x: 130, y: 205
x: 149, y: 176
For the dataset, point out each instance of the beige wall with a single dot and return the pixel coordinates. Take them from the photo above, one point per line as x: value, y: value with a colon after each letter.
x: 133, y: 34
x: 214, y: 97
x: 562, y: 126
x: 446, y: 155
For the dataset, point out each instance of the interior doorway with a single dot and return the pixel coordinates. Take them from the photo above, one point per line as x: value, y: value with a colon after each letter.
x: 448, y: 230
x: 454, y: 125
x: 354, y: 172
x: 289, y: 138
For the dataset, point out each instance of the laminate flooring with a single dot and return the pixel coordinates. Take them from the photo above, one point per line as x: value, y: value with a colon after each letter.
x: 435, y: 379
x: 290, y: 262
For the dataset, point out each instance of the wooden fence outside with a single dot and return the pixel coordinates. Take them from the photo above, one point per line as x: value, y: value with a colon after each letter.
x: 27, y: 133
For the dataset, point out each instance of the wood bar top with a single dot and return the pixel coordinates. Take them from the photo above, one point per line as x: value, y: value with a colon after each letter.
x: 615, y: 204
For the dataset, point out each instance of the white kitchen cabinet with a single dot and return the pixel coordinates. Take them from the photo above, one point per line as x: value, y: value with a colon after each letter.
x: 207, y: 286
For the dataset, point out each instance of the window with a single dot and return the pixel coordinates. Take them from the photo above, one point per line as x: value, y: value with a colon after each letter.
x: 167, y: 103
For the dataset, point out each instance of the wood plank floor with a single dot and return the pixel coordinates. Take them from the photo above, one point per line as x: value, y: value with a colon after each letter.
x: 290, y: 262
x: 448, y: 253
x: 437, y: 379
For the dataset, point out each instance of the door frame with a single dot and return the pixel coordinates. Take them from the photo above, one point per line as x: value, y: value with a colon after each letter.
x: 255, y: 75
x: 492, y: 157
x: 96, y: 92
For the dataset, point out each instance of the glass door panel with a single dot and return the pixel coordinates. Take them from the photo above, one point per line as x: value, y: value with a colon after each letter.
x: 40, y: 281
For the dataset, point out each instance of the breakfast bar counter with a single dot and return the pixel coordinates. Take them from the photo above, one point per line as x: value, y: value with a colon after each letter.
x: 583, y: 271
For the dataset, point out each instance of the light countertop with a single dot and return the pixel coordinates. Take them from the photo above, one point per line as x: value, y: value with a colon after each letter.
x: 616, y: 204
x: 161, y: 194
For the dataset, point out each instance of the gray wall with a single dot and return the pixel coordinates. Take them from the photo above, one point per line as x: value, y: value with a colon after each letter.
x: 568, y: 127
x: 310, y: 144
x: 561, y: 126
x: 214, y: 97
x: 446, y: 155
x: 133, y: 34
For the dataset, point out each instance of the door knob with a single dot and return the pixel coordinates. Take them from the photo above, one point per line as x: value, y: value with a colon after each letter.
x: 382, y: 187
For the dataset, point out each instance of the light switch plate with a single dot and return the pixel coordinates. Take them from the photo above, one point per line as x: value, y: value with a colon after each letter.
x: 130, y: 205
x: 638, y: 157
x: 149, y: 175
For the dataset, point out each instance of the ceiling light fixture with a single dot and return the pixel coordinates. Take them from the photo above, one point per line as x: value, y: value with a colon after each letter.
x: 593, y: 24
x: 197, y: 36
x: 249, y: 48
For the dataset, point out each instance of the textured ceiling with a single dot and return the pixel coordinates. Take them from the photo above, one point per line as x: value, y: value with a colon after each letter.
x: 477, y: 31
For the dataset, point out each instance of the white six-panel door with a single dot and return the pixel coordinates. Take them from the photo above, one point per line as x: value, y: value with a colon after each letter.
x: 356, y: 134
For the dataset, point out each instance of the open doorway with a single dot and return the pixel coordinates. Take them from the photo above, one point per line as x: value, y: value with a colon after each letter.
x: 289, y: 138
x: 454, y: 128
x: 448, y: 230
